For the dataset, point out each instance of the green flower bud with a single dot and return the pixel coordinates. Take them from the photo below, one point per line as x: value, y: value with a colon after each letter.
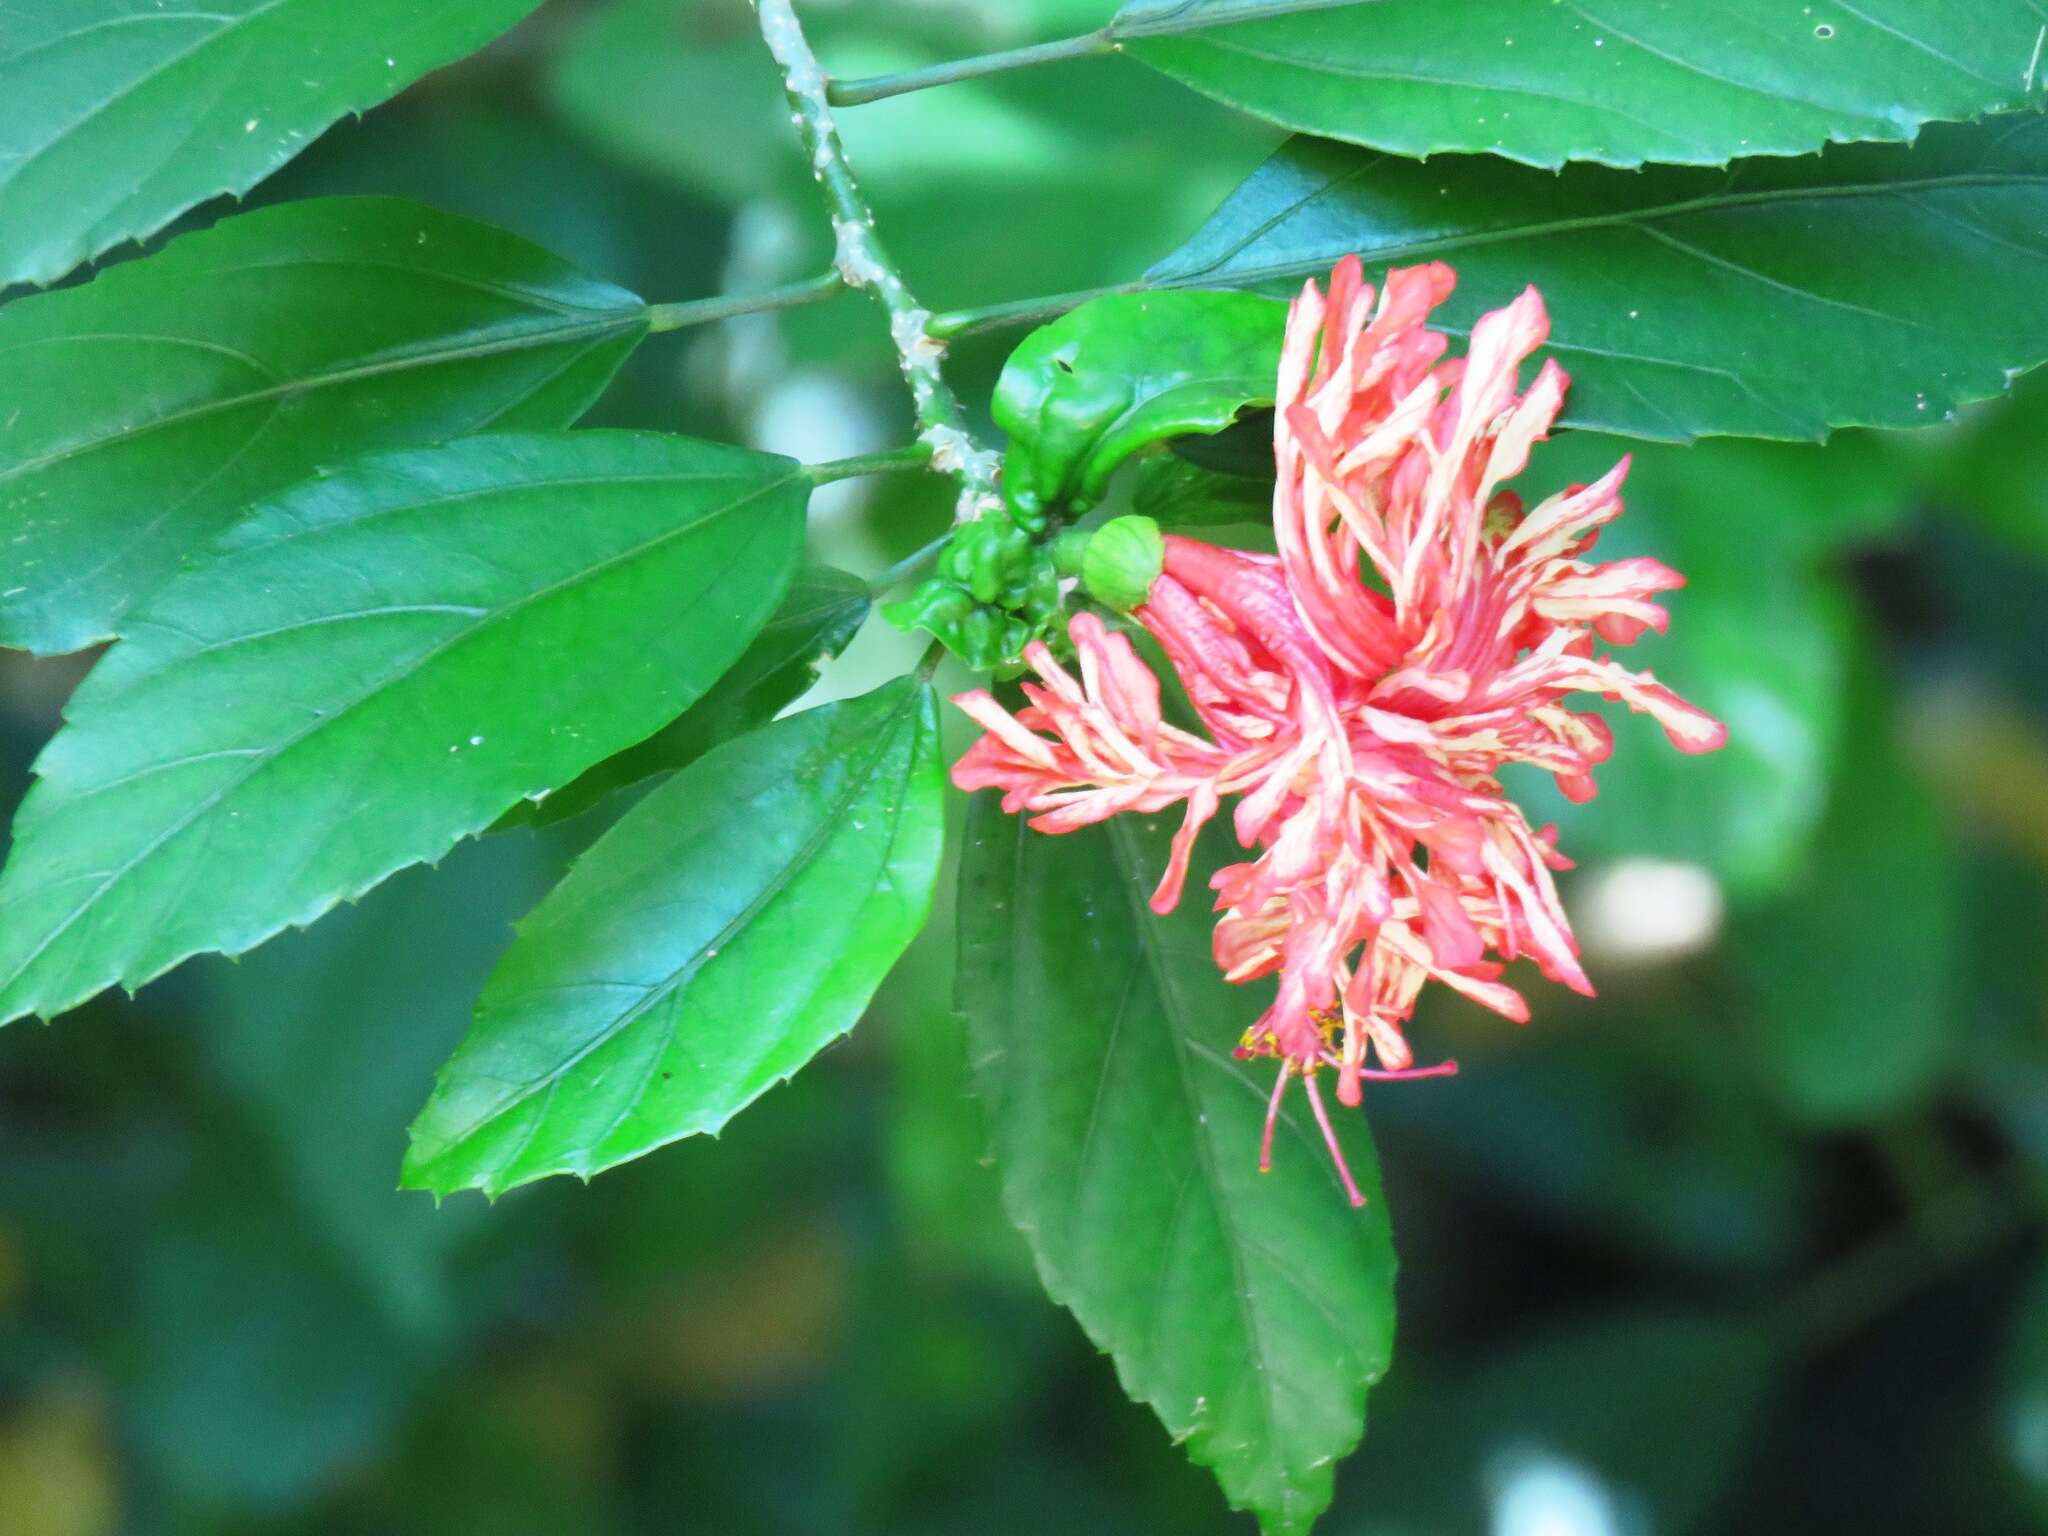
x: 1122, y: 561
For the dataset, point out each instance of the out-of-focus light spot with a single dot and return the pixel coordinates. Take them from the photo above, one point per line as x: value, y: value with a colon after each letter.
x: 815, y: 416
x: 1537, y: 1494
x: 2026, y: 1437
x: 1646, y: 911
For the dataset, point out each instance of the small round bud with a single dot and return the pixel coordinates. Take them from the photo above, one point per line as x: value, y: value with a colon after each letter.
x: 1121, y: 562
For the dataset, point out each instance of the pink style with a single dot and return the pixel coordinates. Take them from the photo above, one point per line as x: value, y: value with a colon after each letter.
x: 1359, y: 692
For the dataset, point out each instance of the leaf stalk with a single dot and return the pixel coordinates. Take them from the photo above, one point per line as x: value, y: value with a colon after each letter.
x: 674, y: 317
x: 854, y: 93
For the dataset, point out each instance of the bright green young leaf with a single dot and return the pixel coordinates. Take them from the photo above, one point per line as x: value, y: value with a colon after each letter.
x: 149, y: 407
x: 1617, y: 82
x: 1783, y: 298
x: 369, y: 668
x: 726, y: 930
x: 1122, y: 374
x: 1251, y: 1312
x: 1858, y: 996
x: 816, y: 620
x: 115, y: 117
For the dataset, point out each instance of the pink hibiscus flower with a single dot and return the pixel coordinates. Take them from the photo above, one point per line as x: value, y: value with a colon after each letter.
x: 1359, y: 691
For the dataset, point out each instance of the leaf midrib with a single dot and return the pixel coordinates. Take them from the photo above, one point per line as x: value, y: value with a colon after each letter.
x: 1205, y: 1151
x: 859, y: 783
x: 1713, y: 203
x: 425, y: 357
x: 374, y: 690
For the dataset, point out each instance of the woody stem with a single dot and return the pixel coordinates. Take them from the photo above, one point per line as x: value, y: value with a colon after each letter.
x: 862, y: 262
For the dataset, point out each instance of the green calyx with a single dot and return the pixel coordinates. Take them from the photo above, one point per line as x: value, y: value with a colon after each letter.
x: 998, y: 583
x: 995, y: 591
x: 1121, y: 560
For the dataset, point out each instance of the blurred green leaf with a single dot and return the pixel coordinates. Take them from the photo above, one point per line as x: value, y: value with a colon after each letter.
x: 1782, y: 298
x: 1251, y: 1313
x: 1544, y: 83
x: 1994, y: 469
x: 262, y: 1366
x: 371, y: 667
x: 1122, y: 374
x: 816, y: 620
x: 1058, y: 179
x: 1855, y: 966
x: 291, y: 1305
x: 1627, y: 1123
x: 1760, y: 637
x: 680, y: 90
x: 1634, y: 1422
x: 152, y: 405
x: 115, y: 119
x: 722, y: 933
x: 323, y: 1042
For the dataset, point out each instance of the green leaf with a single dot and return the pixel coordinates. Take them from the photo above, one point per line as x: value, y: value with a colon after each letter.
x: 1995, y: 470
x: 1859, y: 994
x: 1177, y: 494
x: 1122, y: 374
x: 1543, y: 83
x: 115, y: 118
x: 816, y: 620
x: 369, y: 668
x: 727, y: 929
x: 1781, y: 299
x: 150, y: 406
x: 1251, y: 1313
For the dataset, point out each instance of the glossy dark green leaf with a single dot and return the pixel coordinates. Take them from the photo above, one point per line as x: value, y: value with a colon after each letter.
x: 116, y: 117
x: 726, y: 930
x: 1122, y: 374
x: 1251, y: 1313
x: 1620, y: 82
x: 369, y: 668
x: 1177, y: 494
x: 149, y: 407
x: 1782, y: 298
x: 1858, y: 995
x: 820, y: 614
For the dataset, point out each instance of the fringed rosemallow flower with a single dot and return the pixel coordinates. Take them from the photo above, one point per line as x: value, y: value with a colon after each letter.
x: 1359, y: 691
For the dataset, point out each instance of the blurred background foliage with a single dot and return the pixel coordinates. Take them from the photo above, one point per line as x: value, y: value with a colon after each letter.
x: 1753, y: 1242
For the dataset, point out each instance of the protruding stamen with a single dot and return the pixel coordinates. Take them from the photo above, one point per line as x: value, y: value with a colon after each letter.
x: 1315, y: 1099
x: 1441, y: 1069
x: 1272, y: 1119
x: 1380, y: 1075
